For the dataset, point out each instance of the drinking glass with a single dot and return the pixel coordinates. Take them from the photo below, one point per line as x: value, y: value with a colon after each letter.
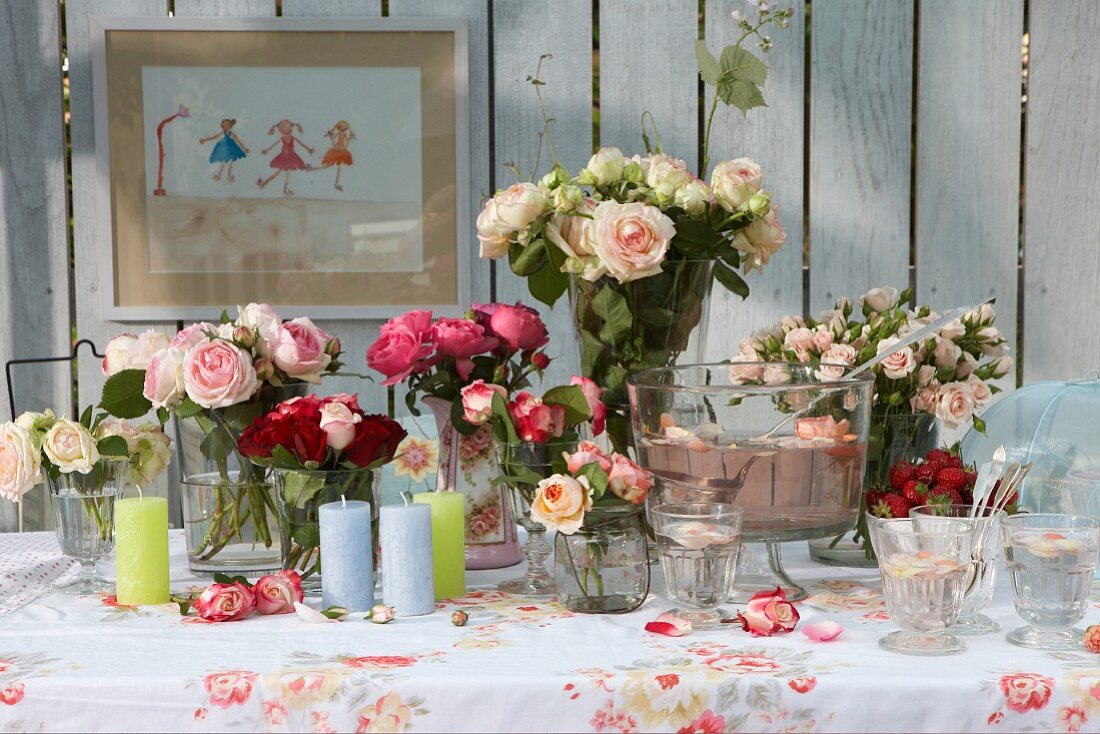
x: 84, y: 518
x: 1051, y: 559
x: 698, y: 544
x: 985, y: 557
x: 924, y: 566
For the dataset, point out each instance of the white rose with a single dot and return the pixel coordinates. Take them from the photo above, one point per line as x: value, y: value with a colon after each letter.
x: 148, y: 343
x: 117, y: 353
x: 956, y: 404
x: 338, y: 423
x: 70, y: 447
x: 263, y: 318
x: 764, y: 237
x: 20, y: 462
x: 605, y: 166
x: 154, y: 452
x: 666, y: 172
x: 567, y: 197
x: 631, y: 240
x: 981, y: 392
x: 573, y: 234
x: 494, y: 243
x: 36, y: 424
x: 734, y: 182
x: 880, y: 299
x: 120, y: 427
x: 164, y: 386
x: 518, y: 205
x: 694, y: 197
x: 947, y: 353
x: 900, y: 363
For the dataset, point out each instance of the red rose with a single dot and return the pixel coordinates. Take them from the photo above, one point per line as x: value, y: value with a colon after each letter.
x: 376, y: 437
x: 310, y: 442
x: 264, y: 434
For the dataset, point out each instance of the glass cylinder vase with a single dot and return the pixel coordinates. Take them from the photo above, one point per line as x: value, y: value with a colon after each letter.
x: 84, y: 518
x: 466, y: 466
x: 231, y: 525
x: 621, y: 328
x: 892, y: 438
x: 603, y: 568
x: 300, y: 492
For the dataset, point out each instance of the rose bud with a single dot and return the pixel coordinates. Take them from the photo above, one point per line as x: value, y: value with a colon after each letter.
x: 245, y: 337
x: 264, y: 369
x: 459, y: 618
x: 225, y: 602
x: 540, y: 360
x: 381, y: 614
x: 333, y: 347
x: 760, y: 204
x: 277, y: 592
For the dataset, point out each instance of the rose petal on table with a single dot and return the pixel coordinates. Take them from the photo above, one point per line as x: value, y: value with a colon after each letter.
x: 669, y: 625
x: 311, y: 615
x: 822, y: 631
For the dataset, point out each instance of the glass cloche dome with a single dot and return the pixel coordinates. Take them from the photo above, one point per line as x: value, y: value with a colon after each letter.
x: 1055, y: 425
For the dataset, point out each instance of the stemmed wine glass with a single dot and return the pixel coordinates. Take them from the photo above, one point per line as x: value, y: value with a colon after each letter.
x: 84, y: 518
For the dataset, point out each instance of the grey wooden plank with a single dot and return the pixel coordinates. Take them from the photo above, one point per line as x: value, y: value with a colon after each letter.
x: 234, y: 8
x: 1061, y: 257
x: 667, y: 89
x: 860, y: 146
x: 968, y: 156
x: 773, y: 136
x: 34, y: 236
x: 337, y: 8
x: 521, y: 32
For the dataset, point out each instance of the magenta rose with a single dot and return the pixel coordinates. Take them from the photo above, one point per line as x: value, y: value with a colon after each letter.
x: 277, y: 592
x: 519, y: 327
x: 298, y: 349
x: 593, y: 393
x: 477, y: 401
x: 462, y: 339
x: 535, y: 421
x: 405, y: 345
x: 225, y: 602
x: 767, y: 613
x: 218, y: 373
x: 627, y: 480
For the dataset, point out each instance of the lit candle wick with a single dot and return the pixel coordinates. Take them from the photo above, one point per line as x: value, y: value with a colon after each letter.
x: 344, y: 500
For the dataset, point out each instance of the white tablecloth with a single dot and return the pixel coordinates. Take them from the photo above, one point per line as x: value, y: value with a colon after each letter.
x: 82, y: 664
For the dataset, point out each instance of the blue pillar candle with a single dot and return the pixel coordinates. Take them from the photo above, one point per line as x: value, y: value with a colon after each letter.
x: 406, y: 532
x: 347, y: 565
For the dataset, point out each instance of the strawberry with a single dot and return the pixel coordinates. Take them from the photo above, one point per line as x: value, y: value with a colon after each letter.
x: 971, y: 478
x: 915, y: 492
x: 951, y: 478
x: 901, y: 474
x: 927, y: 472
x: 953, y: 462
x: 938, y: 455
x: 953, y: 496
x: 873, y: 497
x: 891, y: 505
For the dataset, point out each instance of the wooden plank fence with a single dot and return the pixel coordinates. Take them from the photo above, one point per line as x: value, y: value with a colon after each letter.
x: 897, y: 141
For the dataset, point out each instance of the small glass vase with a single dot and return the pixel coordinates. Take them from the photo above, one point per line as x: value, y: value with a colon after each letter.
x: 220, y: 524
x: 300, y: 492
x: 892, y: 438
x: 533, y: 461
x: 668, y: 324
x: 603, y: 568
x: 84, y: 517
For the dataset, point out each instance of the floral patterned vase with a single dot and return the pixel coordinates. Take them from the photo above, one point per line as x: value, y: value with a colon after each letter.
x: 466, y: 465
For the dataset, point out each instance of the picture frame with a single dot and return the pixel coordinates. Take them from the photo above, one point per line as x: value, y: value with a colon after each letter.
x: 320, y: 165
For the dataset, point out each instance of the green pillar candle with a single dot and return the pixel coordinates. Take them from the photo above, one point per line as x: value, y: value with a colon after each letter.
x: 448, y: 541
x: 141, y: 551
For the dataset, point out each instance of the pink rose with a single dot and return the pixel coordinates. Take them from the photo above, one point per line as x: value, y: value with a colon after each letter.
x: 194, y: 334
x: 735, y: 181
x: 1026, y: 691
x: 822, y: 631
x: 404, y: 345
x: 956, y: 404
x: 518, y: 327
x: 298, y: 349
x: 229, y: 687
x: 746, y: 367
x: 587, y: 453
x: 164, y: 378
x: 462, y: 339
x: 338, y: 422
x: 627, y: 480
x: 833, y: 360
x: 981, y: 392
x: 592, y: 393
x: 477, y: 401
x: 767, y: 613
x: 277, y: 592
x: 263, y: 318
x: 946, y: 353
x: 217, y: 374
x: 631, y: 240
x: 823, y: 338
x: 799, y: 340
x: 900, y: 363
x: 535, y: 421
x: 225, y: 602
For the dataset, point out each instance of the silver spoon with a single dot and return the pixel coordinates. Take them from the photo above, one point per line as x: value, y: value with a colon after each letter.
x: 986, y: 480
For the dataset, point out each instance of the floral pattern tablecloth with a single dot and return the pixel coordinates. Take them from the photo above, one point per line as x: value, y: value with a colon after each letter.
x: 86, y: 664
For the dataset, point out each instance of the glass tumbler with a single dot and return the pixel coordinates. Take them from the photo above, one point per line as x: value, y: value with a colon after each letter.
x: 924, y: 566
x: 1052, y: 559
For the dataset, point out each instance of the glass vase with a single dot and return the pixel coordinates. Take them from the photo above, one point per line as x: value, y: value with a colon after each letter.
x: 650, y: 322
x: 603, y: 568
x: 892, y: 438
x: 466, y: 466
x: 522, y: 466
x: 230, y: 526
x: 300, y: 492
x: 84, y: 518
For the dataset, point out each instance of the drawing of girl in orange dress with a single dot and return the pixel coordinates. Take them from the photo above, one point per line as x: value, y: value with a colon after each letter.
x: 338, y: 155
x: 287, y: 160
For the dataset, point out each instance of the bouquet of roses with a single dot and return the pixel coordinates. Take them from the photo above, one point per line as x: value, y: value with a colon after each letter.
x: 530, y: 419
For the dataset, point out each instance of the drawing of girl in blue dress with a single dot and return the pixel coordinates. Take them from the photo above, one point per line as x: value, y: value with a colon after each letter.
x: 228, y: 149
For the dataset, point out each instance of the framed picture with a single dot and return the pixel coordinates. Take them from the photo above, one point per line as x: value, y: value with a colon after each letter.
x: 320, y: 164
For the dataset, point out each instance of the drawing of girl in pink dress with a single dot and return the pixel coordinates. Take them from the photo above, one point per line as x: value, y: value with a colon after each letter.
x: 287, y: 160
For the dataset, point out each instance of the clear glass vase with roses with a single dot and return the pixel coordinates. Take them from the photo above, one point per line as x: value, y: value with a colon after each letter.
x: 492, y: 344
x: 638, y: 240
x: 320, y: 450
x: 87, y: 464
x: 947, y: 378
x: 214, y: 380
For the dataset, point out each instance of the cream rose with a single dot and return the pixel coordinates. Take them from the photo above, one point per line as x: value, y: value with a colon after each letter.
x: 694, y: 197
x: 164, y: 379
x: 764, y: 237
x: 947, y: 353
x: 338, y: 423
x: 517, y: 206
x: 833, y: 362
x: 981, y: 392
x: 494, y: 243
x: 70, y: 447
x: 900, y: 363
x: 573, y: 234
x: 116, y: 353
x: 560, y: 503
x: 120, y: 427
x: 799, y: 340
x: 153, y: 454
x: 1002, y: 365
x: 734, y: 182
x: 604, y: 167
x: 953, y: 329
x: 20, y: 462
x: 663, y: 170
x: 631, y: 240
x: 746, y: 367
x: 823, y: 337
x: 956, y: 404
x: 36, y: 424
x: 880, y: 299
x: 148, y: 343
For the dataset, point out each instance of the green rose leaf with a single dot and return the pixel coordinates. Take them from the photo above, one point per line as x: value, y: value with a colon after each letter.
x: 188, y: 408
x: 548, y: 283
x: 729, y: 278
x: 502, y: 421
x: 610, y: 306
x: 570, y: 397
x: 459, y: 421
x: 526, y: 260
x: 597, y: 479
x: 122, y: 395
x: 112, y: 446
x: 300, y: 487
